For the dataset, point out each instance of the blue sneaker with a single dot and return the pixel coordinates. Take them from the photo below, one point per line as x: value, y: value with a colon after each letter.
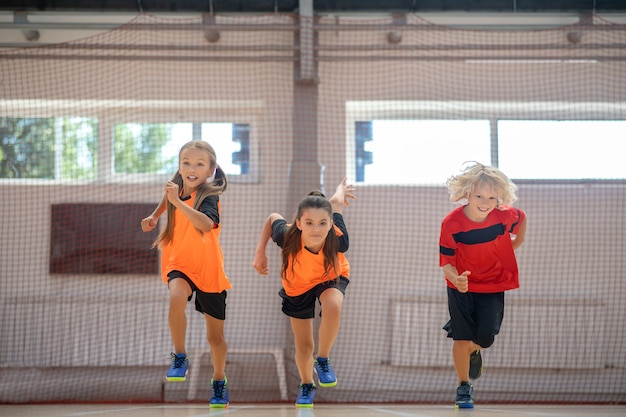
x: 476, y: 365
x: 178, y: 369
x: 306, y: 394
x: 325, y: 372
x: 219, y: 394
x: 464, y: 395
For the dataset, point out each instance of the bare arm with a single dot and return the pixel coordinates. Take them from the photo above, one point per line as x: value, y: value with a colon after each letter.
x: 151, y: 221
x: 452, y: 275
x: 342, y: 195
x: 260, y: 256
x: 518, y: 239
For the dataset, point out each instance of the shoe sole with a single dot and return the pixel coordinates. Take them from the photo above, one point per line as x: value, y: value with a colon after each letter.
x: 304, y: 405
x: 464, y: 406
x: 218, y: 405
x: 176, y: 378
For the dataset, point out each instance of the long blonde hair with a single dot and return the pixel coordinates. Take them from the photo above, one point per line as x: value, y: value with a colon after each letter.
x: 215, y: 187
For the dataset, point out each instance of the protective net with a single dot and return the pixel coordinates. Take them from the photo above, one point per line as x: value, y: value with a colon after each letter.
x: 91, y: 131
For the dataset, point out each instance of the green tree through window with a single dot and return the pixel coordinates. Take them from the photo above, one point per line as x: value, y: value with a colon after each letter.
x: 138, y: 148
x: 29, y: 146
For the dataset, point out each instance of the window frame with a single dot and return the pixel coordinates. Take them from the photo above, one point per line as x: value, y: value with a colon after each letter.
x: 474, y: 110
x: 108, y: 113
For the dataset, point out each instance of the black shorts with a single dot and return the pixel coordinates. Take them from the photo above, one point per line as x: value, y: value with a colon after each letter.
x: 211, y: 303
x: 303, y: 306
x: 474, y: 313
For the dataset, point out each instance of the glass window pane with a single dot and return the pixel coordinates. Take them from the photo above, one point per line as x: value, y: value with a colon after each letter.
x: 80, y: 148
x: 227, y: 148
x: 48, y: 148
x: 148, y: 148
x: 153, y: 148
x: 557, y: 149
x: 408, y: 152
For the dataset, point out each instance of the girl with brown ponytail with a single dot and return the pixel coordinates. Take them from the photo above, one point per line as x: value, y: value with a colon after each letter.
x: 314, y: 268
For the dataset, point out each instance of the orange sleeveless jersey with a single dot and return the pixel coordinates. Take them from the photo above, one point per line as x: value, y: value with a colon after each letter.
x: 199, y: 256
x: 308, y: 270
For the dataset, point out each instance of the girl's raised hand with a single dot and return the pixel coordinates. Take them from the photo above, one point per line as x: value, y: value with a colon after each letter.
x: 171, y: 192
x: 345, y: 192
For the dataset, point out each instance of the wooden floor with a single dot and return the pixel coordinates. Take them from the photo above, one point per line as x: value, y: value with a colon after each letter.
x: 320, y: 410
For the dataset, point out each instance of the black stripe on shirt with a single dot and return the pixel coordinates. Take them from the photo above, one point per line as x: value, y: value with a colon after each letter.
x: 476, y: 236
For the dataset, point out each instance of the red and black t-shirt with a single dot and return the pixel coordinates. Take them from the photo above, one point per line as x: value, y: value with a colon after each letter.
x: 485, y: 249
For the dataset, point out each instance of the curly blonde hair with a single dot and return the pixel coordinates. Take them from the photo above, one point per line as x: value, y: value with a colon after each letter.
x: 461, y: 186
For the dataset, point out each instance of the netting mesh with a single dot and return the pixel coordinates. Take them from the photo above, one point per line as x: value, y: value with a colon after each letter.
x: 83, y: 309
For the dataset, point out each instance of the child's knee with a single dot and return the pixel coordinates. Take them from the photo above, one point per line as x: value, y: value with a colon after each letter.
x: 216, y: 341
x: 305, y: 348
x: 178, y: 295
x: 331, y: 309
x: 178, y: 302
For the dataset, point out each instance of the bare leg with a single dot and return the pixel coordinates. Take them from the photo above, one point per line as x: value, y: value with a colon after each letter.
x: 461, y: 351
x: 332, y: 302
x: 217, y: 343
x: 179, y: 293
x: 305, y: 345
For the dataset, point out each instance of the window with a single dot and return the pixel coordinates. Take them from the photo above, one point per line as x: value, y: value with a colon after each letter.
x: 408, y: 152
x: 423, y: 143
x: 154, y: 148
x: 122, y: 141
x: 60, y: 148
x: 562, y: 149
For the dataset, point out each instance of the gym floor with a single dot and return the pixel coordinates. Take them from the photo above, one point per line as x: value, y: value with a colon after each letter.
x: 320, y: 410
